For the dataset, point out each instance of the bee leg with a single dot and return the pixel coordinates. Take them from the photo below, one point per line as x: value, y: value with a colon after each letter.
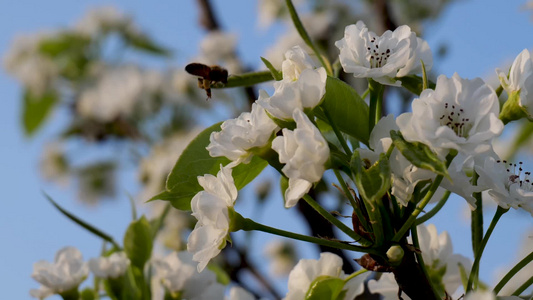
x: 201, y: 83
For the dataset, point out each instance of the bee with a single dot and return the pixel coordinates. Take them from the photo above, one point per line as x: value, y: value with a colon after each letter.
x: 208, y: 75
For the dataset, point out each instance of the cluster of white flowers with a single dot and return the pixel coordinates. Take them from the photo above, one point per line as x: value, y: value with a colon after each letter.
x: 102, y: 19
x: 69, y: 270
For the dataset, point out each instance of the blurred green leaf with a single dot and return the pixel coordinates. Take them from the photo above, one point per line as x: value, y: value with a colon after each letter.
x: 138, y: 242
x: 275, y: 73
x: 419, y: 154
x: 36, y: 109
x: 144, y: 43
x: 326, y: 288
x: 346, y: 108
x: 182, y: 182
x: 414, y: 84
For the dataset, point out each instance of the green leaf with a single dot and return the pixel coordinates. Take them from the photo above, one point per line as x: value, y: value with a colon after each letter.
x: 326, y: 288
x: 415, y: 84
x: 275, y: 73
x: 346, y: 108
x: 143, y: 43
x: 64, y: 43
x: 284, y: 185
x: 221, y: 274
x: 36, y: 109
x: 374, y: 182
x: 90, y: 228
x: 419, y: 154
x: 182, y: 182
x: 246, y: 79
x: 87, y: 294
x: 138, y: 242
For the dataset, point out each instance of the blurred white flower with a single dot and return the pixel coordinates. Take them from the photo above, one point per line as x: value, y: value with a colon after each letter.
x: 386, y: 286
x: 65, y: 274
x: 329, y: 264
x: 41, y: 293
x: 54, y: 165
x: 383, y: 58
x: 218, y: 46
x: 238, y: 136
x: 459, y: 114
x: 210, y: 207
x: 101, y: 19
x: 238, y: 293
x: 26, y: 63
x: 304, y: 152
x: 282, y: 255
x: 487, y: 295
x: 177, y: 271
x: 112, y: 266
x: 302, y: 86
x: 117, y: 93
x: 520, y: 80
x: 508, y: 184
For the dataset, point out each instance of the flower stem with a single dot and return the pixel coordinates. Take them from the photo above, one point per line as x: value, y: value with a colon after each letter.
x: 349, y: 232
x: 419, y: 208
x: 303, y: 34
x: 355, y: 274
x: 420, y: 259
x: 338, y: 133
x: 523, y: 287
x: 434, y: 210
x: 248, y: 224
x: 376, y: 100
x: 475, y: 267
x: 526, y: 260
x: 477, y: 219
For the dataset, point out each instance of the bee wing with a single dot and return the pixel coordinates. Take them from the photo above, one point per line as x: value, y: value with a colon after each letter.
x: 198, y: 69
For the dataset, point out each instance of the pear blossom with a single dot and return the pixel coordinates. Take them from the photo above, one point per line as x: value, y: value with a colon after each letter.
x: 238, y: 136
x: 238, y: 293
x: 282, y: 255
x: 41, y: 293
x: 386, y: 286
x: 459, y: 114
x: 329, y: 264
x: 101, y: 19
x: 177, y: 271
x: 520, y: 81
x: 304, y: 152
x: 302, y: 86
x: 218, y: 46
x: 383, y: 58
x: 210, y: 208
x: 487, y: 295
x: 65, y: 274
x: 113, y: 266
x: 507, y: 184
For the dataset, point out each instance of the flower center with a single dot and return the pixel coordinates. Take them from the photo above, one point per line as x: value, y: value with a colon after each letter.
x: 515, y: 177
x: 378, y: 58
x: 453, y: 117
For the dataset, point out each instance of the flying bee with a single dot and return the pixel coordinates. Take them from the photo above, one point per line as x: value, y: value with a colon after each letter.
x: 208, y: 76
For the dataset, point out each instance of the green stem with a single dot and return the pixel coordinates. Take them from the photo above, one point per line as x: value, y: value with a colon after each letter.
x: 248, y: 224
x: 477, y: 219
x: 523, y: 287
x: 354, y: 204
x: 376, y: 100
x: 349, y: 232
x: 355, y: 274
x: 303, y: 33
x: 499, y: 90
x: 363, y: 96
x: 475, y: 267
x: 434, y: 210
x: 161, y: 220
x: 420, y: 259
x: 337, y: 133
x: 419, y: 208
x: 525, y: 261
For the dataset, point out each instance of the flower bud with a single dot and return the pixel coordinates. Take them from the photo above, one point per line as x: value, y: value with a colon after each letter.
x: 395, y: 254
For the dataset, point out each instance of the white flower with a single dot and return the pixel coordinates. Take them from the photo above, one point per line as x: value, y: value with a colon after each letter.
x: 177, y: 271
x: 25, y: 62
x: 508, y: 185
x: 382, y: 58
x: 302, y: 86
x: 520, y: 80
x: 101, y: 19
x: 210, y: 207
x: 218, y: 46
x: 304, y: 152
x: 437, y: 252
x: 386, y: 286
x: 113, y: 266
x: 329, y: 264
x: 54, y: 164
x: 41, y: 293
x: 65, y: 274
x: 282, y: 254
x: 238, y: 293
x: 238, y: 136
x: 459, y: 114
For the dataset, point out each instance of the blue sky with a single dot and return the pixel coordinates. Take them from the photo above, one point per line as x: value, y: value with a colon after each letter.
x: 481, y: 35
